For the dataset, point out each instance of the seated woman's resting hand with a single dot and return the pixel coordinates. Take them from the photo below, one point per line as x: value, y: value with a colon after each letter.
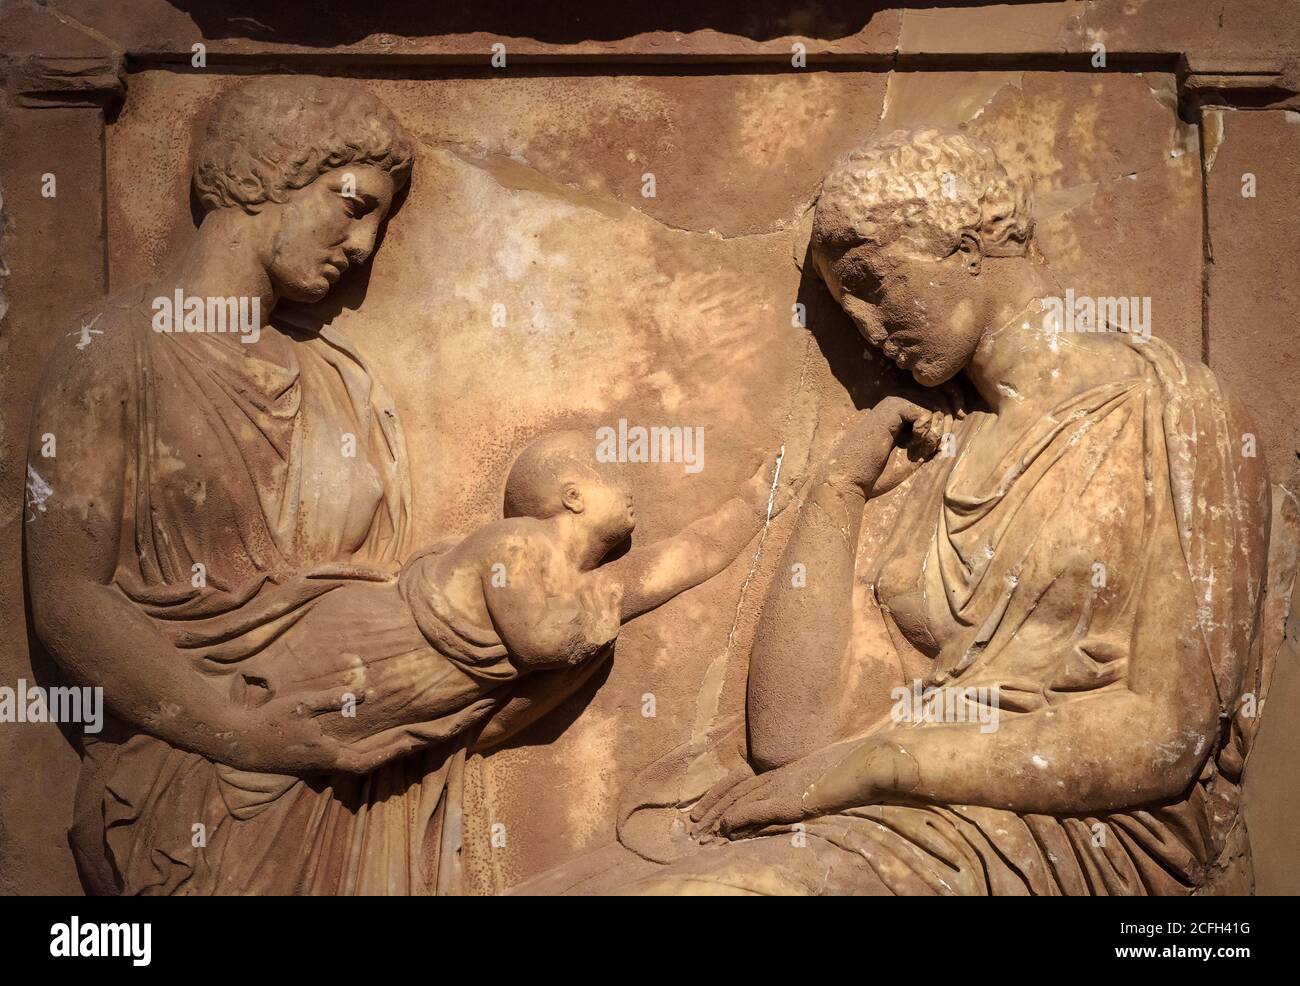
x: 895, y: 435
x: 851, y: 774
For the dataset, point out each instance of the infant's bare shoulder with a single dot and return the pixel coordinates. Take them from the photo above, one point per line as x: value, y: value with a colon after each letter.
x: 514, y: 541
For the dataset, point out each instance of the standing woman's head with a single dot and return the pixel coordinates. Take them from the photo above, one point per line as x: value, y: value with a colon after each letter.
x: 902, y: 232
x: 315, y: 163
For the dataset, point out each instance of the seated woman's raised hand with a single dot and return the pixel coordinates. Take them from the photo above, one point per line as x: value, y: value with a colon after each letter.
x: 883, y: 446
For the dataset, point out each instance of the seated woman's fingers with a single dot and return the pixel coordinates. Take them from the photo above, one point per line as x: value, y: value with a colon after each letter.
x: 720, y: 798
x: 920, y: 433
x: 950, y: 399
x: 773, y: 805
x: 928, y: 433
x: 896, y: 412
x: 718, y: 791
x: 746, y: 814
x: 709, y: 819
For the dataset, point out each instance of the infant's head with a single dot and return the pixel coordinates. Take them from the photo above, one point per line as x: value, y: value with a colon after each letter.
x: 559, y: 473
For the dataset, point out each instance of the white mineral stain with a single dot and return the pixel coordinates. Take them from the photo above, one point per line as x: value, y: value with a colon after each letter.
x: 38, y: 490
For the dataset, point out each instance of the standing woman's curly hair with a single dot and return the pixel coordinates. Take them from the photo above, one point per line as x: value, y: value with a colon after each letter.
x: 270, y: 136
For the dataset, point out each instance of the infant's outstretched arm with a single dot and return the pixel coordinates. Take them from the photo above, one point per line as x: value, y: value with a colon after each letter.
x: 648, y: 577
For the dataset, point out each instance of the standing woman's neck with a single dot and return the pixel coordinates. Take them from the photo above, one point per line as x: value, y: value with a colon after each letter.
x: 228, y: 258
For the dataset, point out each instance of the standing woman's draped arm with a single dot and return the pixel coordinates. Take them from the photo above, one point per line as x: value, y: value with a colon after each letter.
x: 93, y: 631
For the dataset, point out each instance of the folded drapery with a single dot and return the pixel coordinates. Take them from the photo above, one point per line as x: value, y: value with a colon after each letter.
x: 269, y: 560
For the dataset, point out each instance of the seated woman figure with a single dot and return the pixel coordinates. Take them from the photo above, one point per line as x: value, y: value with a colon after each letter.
x: 1091, y: 557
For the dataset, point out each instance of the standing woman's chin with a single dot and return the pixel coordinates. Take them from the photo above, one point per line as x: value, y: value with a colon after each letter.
x: 306, y: 291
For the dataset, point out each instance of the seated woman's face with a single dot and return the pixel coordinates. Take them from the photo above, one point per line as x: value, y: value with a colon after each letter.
x: 919, y: 311
x: 327, y: 227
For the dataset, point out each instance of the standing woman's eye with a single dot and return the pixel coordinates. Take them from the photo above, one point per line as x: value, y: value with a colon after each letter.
x: 359, y: 206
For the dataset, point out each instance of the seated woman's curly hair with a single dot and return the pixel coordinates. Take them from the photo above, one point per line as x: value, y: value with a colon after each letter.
x: 271, y: 136
x: 924, y: 187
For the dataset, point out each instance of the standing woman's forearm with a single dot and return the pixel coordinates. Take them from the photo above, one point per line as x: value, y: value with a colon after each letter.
x: 99, y: 638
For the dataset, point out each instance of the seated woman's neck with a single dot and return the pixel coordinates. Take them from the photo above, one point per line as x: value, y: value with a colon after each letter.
x: 1018, y: 354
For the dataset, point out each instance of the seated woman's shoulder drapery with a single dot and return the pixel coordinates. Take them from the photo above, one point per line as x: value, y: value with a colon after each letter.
x: 1121, y: 527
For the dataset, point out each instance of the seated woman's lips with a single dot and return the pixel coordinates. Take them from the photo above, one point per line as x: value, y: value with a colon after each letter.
x: 897, y: 347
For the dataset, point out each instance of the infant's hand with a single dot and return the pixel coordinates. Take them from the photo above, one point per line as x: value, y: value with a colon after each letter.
x: 773, y: 484
x: 758, y: 490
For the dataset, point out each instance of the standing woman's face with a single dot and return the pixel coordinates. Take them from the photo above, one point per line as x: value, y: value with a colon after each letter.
x: 919, y: 311
x: 325, y: 228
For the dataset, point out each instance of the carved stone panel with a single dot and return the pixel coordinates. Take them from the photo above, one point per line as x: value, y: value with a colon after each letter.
x: 848, y: 456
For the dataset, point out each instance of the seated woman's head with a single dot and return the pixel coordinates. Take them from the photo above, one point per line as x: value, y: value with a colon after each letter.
x: 902, y: 230
x: 315, y: 163
x: 560, y: 474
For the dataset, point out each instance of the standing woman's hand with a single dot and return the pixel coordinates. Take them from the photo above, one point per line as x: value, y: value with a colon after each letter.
x: 286, y: 735
x: 289, y: 736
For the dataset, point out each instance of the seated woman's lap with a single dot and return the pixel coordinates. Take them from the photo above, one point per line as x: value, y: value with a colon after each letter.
x: 784, y: 865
